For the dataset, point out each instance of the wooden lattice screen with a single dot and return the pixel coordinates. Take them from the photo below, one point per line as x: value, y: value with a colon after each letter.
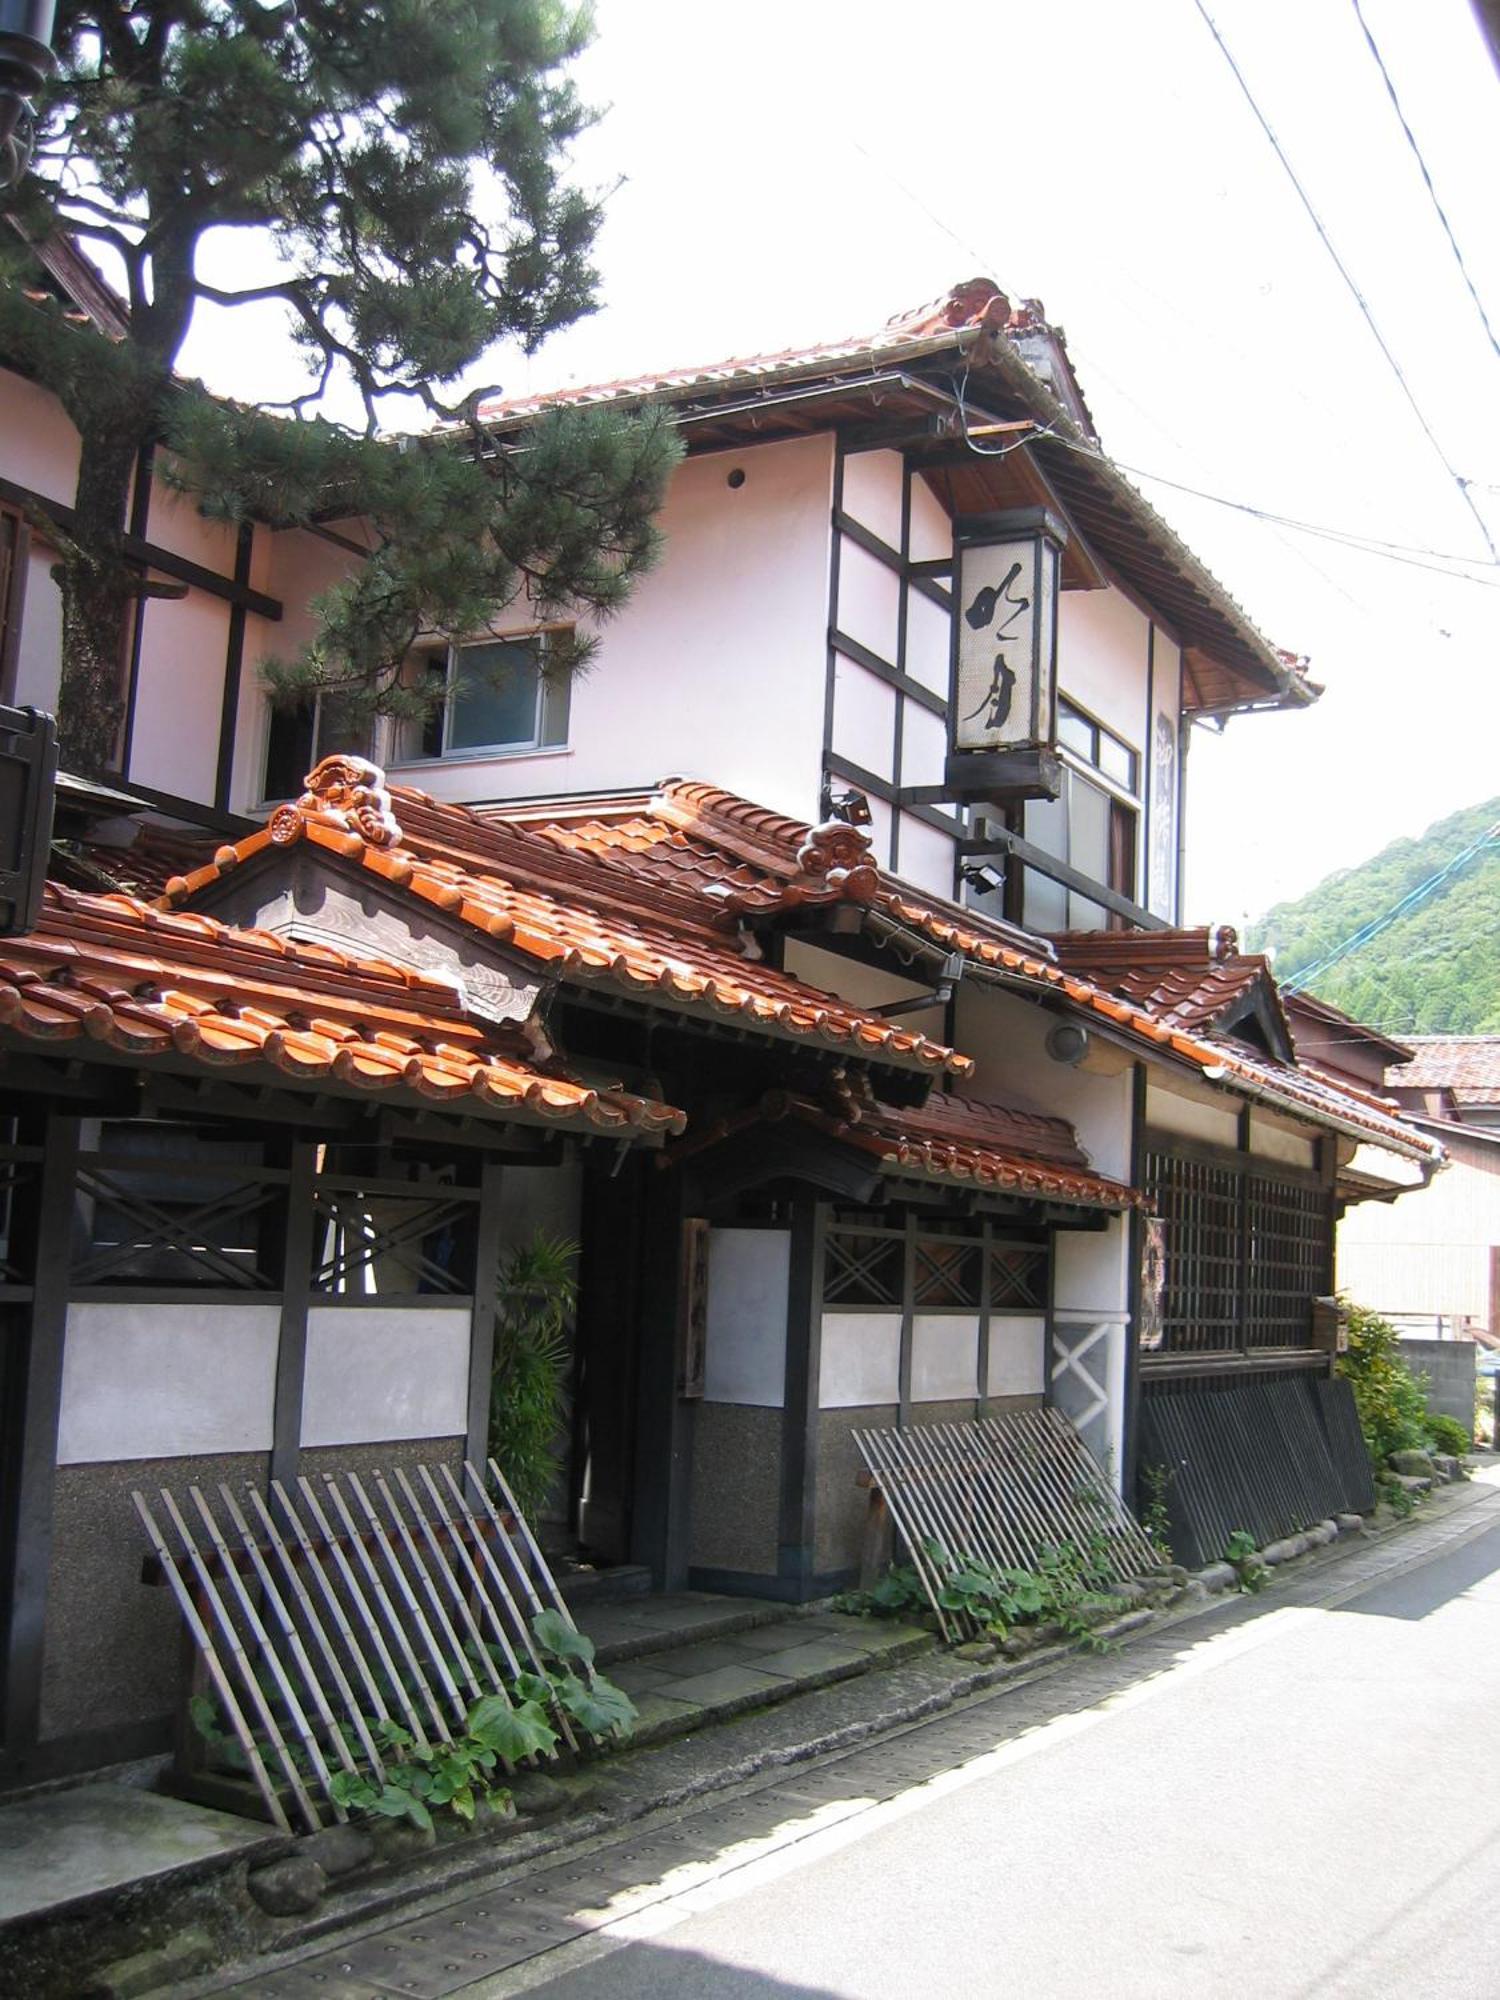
x: 1001, y: 1491
x: 319, y: 1614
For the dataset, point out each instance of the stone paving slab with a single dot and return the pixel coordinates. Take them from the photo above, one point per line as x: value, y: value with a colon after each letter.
x: 730, y: 1685
x: 61, y: 1849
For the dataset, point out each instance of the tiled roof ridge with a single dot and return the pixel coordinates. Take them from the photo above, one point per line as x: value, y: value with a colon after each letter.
x: 1204, y: 945
x: 940, y: 323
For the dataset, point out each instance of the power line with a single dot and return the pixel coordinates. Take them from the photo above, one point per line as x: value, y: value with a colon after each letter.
x: 1299, y: 981
x: 1343, y: 270
x: 1411, y: 140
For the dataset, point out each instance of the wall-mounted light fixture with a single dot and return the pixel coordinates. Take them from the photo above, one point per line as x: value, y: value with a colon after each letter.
x: 852, y: 807
x: 26, y: 61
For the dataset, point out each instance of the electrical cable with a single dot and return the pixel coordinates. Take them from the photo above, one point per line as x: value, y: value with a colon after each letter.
x: 1343, y: 270
x: 1299, y: 981
x: 1411, y: 140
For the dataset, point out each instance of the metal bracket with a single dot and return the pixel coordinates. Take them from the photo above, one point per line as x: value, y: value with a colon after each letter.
x: 949, y: 974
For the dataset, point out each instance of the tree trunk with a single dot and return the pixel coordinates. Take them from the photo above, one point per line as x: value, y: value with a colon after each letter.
x: 99, y: 590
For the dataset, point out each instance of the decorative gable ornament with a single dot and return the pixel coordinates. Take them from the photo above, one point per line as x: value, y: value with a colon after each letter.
x: 1002, y: 710
x: 344, y: 792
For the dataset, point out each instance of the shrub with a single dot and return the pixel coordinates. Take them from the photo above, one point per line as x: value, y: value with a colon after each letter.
x: 528, y: 1389
x: 1448, y: 1434
x: 1392, y: 1408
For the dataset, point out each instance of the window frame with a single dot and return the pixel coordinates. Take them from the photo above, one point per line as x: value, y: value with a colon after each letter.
x: 550, y: 735
x: 317, y: 750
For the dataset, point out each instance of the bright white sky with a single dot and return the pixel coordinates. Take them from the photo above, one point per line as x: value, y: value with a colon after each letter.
x: 799, y: 169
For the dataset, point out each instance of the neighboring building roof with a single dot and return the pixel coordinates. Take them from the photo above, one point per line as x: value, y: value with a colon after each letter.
x: 1197, y: 979
x: 657, y: 939
x: 1466, y: 1065
x: 119, y: 975
x: 960, y: 361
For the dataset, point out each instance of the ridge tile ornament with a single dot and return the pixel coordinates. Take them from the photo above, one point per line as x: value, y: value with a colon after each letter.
x: 344, y: 792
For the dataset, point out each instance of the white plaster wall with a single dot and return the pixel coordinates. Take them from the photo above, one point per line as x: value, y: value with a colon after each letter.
x: 1163, y: 803
x: 175, y: 523
x: 179, y: 692
x: 38, y: 446
x: 931, y: 529
x: 924, y: 745
x: 872, y: 492
x: 716, y: 668
x: 861, y: 1360
x: 864, y: 718
x: 869, y: 600
x: 1091, y: 1269
x: 294, y: 568
x: 929, y: 642
x: 748, y: 1274
x: 1007, y: 1037
x: 1018, y: 1355
x: 1101, y: 659
x: 166, y: 1381
x: 860, y: 985
x: 1190, y: 1117
x: 375, y: 1373
x: 944, y: 1357
x: 926, y: 857
x: 1271, y: 1139
x: 39, y: 665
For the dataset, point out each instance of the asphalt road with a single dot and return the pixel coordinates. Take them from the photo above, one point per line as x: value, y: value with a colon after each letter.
x: 1300, y: 1801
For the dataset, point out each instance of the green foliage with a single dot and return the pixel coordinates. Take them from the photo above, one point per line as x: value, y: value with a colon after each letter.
x: 1392, y: 1408
x: 1062, y: 1589
x: 538, y: 1289
x: 408, y: 165
x: 1435, y: 970
x: 1400, y: 1499
x: 1155, y: 1519
x: 1242, y: 1553
x: 1448, y: 1434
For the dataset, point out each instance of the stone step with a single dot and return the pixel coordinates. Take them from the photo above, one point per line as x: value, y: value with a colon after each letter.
x: 684, y: 1688
x: 583, y: 1588
x: 634, y: 1625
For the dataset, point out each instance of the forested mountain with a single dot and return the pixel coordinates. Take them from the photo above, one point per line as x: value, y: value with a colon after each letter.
x: 1434, y: 970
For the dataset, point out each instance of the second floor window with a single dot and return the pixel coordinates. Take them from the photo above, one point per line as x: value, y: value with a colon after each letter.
x: 498, y: 697
x: 1091, y: 826
x: 302, y: 733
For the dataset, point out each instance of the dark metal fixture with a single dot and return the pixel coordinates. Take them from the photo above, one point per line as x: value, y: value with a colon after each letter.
x: 26, y: 61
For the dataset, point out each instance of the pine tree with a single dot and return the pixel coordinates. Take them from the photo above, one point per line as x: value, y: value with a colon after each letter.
x: 371, y: 138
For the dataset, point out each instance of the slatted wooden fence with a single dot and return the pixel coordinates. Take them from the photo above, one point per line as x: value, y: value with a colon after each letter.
x: 1001, y: 1491
x: 319, y: 1613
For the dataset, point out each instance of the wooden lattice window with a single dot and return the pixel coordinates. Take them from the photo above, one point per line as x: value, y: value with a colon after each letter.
x: 1247, y: 1251
x: 391, y: 1237
x: 1018, y: 1277
x: 166, y: 1205
x: 864, y: 1267
x: 950, y: 1271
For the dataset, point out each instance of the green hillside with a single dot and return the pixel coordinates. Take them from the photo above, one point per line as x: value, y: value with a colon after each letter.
x: 1436, y: 969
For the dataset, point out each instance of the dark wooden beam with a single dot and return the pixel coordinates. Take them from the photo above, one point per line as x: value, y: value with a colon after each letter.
x: 482, y: 1316
x: 296, y: 1294
x: 150, y: 555
x: 797, y: 1519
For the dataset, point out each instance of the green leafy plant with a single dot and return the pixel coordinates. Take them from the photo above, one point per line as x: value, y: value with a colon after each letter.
x: 1448, y: 1434
x: 1392, y: 1409
x: 1157, y: 1522
x: 1400, y: 1499
x: 538, y: 1289
x: 1061, y: 1589
x: 1243, y: 1554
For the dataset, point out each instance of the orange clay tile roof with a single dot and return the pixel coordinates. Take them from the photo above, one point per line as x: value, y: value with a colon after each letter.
x: 745, y: 858
x: 657, y: 937
x: 112, y: 971
x: 1190, y: 977
x: 997, y: 1147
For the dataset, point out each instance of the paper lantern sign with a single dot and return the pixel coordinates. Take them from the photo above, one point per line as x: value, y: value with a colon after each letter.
x: 1004, y: 694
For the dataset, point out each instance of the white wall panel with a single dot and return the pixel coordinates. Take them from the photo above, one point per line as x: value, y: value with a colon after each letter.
x: 924, y: 745
x: 864, y: 718
x: 1101, y: 659
x: 861, y: 1361
x: 1278, y: 1142
x: 1190, y: 1118
x: 380, y: 1372
x: 179, y: 693
x: 926, y: 856
x: 1018, y: 1356
x: 929, y: 642
x: 869, y: 600
x: 160, y: 1380
x: 872, y: 492
x: 748, y: 1271
x: 944, y: 1357
x: 931, y: 529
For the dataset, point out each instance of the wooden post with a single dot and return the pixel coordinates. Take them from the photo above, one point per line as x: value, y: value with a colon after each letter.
x: 53, y: 1208
x: 296, y: 1291
x: 797, y: 1515
x: 482, y: 1321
